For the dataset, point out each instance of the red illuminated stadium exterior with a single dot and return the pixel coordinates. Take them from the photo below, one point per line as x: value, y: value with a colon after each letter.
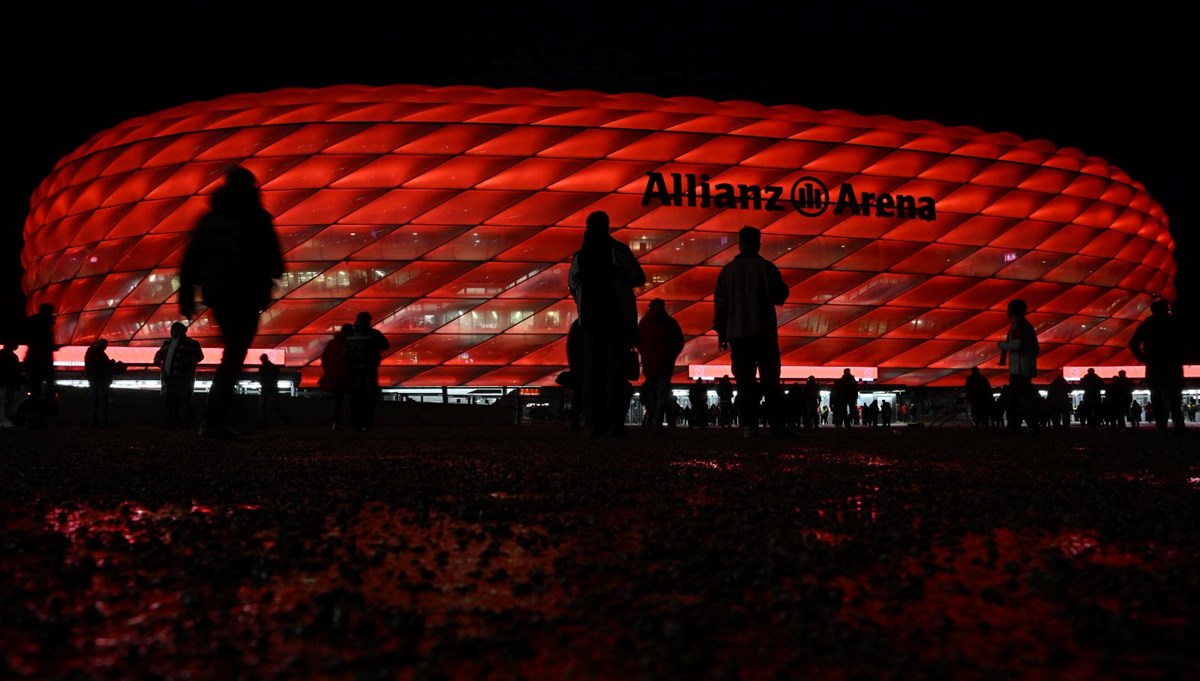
x: 450, y: 214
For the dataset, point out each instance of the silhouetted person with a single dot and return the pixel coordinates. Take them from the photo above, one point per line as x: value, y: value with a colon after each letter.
x: 1135, y: 413
x: 1019, y: 350
x: 843, y: 398
x: 811, y: 405
x: 1120, y: 394
x: 99, y: 369
x: 364, y: 353
x: 698, y: 399
x: 602, y: 279
x: 335, y: 373
x: 572, y: 378
x: 1089, y: 407
x: 660, y: 340
x: 11, y: 379
x: 727, y: 417
x: 268, y: 391
x: 234, y: 257
x: 177, y: 360
x: 979, y: 398
x: 39, y: 365
x: 748, y: 290
x: 885, y: 411
x: 1058, y: 403
x: 1158, y: 343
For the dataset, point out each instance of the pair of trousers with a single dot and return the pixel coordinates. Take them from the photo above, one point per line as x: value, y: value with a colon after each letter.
x: 238, y: 325
x: 756, y: 369
x: 605, y: 397
x: 659, y: 388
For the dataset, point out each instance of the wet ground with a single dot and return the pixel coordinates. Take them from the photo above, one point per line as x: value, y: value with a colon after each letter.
x: 527, y: 552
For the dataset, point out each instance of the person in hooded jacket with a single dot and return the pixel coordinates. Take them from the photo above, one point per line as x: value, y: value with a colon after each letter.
x: 660, y: 340
x: 234, y: 258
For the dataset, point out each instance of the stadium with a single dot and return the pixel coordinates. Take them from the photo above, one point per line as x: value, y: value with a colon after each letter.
x: 451, y: 213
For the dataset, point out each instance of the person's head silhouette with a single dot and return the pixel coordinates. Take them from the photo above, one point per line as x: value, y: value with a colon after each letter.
x: 178, y: 330
x: 749, y: 240
x: 1017, y: 308
x: 239, y: 176
x: 362, y: 320
x: 597, y: 221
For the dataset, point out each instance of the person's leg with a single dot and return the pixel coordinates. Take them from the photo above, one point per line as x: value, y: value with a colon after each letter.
x: 238, y: 326
x: 105, y: 401
x: 6, y: 400
x: 594, y: 383
x: 769, y: 369
x: 1159, y: 400
x: 1173, y: 394
x: 615, y: 388
x: 743, y: 366
x: 370, y: 395
x: 170, y: 401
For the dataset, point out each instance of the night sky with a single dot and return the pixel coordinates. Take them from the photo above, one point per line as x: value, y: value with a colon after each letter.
x: 1113, y: 83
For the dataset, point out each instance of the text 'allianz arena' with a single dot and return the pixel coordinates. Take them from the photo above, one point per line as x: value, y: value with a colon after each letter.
x: 451, y: 214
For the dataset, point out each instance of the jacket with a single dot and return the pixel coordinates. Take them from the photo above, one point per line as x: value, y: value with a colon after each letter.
x: 1021, y: 344
x: 604, y: 296
x: 748, y: 289
x: 660, y: 340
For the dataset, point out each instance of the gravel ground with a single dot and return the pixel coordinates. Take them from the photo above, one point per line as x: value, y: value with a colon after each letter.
x: 529, y: 552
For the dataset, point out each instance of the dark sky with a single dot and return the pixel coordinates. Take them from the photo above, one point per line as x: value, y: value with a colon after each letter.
x: 1113, y: 83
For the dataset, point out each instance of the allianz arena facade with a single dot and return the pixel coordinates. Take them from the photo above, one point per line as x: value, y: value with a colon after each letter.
x: 450, y: 214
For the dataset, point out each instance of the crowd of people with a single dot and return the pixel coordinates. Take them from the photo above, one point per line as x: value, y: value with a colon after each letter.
x: 233, y: 260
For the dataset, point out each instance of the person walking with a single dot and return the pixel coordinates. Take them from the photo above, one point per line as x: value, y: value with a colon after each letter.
x: 364, y: 353
x: 660, y: 340
x: 1019, y: 350
x: 234, y: 257
x: 602, y: 279
x: 177, y: 360
x: 1158, y: 343
x: 748, y: 290
x: 268, y: 392
x: 99, y: 369
x: 335, y: 373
